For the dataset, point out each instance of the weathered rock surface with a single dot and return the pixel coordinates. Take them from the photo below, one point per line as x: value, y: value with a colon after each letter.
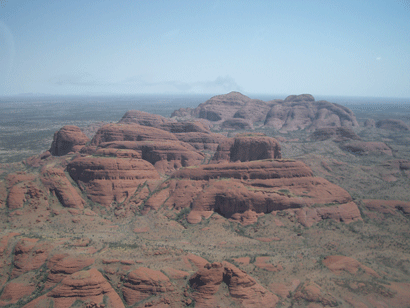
x: 303, y: 112
x: 143, y: 118
x: 14, y: 291
x: 62, y: 265
x: 336, y: 133
x: 243, y: 190
x: 311, y: 292
x: 265, y: 169
x: 346, y: 213
x: 84, y: 285
x: 130, y: 132
x: 222, y: 107
x: 144, y: 282
x: 392, y: 124
x: 339, y: 264
x: 68, y: 139
x: 295, y: 112
x: 387, y: 206
x: 242, y: 287
x: 108, y: 179
x: 248, y: 147
x: 237, y: 124
x: 166, y: 156
x: 366, y: 148
x: 29, y: 255
x: 56, y: 181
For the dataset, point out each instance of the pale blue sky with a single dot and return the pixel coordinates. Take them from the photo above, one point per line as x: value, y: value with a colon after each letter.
x: 352, y: 48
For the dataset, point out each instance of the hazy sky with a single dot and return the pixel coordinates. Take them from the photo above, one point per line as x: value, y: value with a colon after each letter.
x: 353, y: 48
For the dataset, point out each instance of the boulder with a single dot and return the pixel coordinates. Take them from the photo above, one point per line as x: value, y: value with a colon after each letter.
x: 68, y: 139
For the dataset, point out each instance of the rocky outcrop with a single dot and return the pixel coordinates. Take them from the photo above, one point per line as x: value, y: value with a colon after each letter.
x: 339, y: 264
x: 366, y: 148
x: 29, y: 255
x: 265, y: 169
x: 143, y: 118
x: 370, y: 123
x: 346, y: 213
x: 242, y: 287
x: 338, y: 134
x: 392, y: 124
x: 201, y: 141
x: 63, y: 265
x: 223, y: 107
x: 242, y: 190
x: 248, y: 147
x: 293, y: 113
x: 81, y: 285
x: 144, y: 282
x: 166, y: 156
x: 311, y: 292
x: 387, y: 206
x: 56, y: 181
x: 130, y: 132
x: 237, y: 124
x: 303, y: 112
x: 109, y: 179
x: 68, y: 139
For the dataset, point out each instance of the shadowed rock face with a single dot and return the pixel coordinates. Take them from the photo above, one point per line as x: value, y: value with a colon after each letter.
x: 248, y: 148
x: 68, y: 139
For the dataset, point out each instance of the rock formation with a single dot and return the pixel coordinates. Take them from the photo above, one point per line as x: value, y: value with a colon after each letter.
x: 243, y: 288
x: 303, y: 112
x: 248, y: 147
x: 108, y: 179
x: 338, y: 134
x: 295, y: 112
x: 366, y: 148
x: 68, y: 139
x: 144, y: 282
x: 392, y: 124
